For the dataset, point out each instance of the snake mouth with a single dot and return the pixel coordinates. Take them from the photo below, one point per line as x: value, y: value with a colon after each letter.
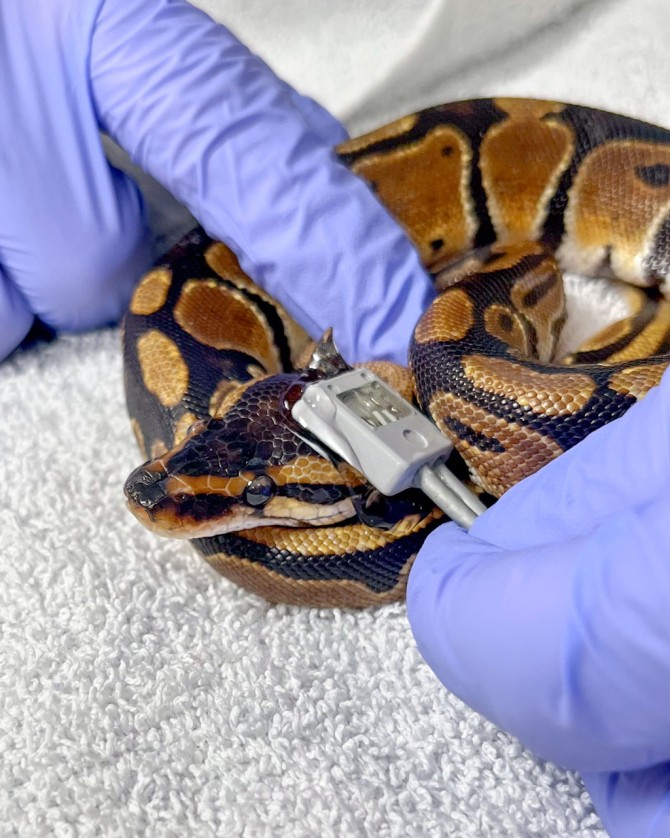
x: 180, y: 507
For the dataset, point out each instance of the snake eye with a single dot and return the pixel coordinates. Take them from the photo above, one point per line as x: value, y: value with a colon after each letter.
x: 259, y: 491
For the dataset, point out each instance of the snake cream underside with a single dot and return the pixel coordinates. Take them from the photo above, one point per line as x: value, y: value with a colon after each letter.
x: 498, y: 196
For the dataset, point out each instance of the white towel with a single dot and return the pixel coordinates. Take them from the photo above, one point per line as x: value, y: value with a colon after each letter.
x: 143, y: 694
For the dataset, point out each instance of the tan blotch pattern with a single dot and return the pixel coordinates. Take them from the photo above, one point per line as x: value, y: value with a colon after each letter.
x: 314, y: 470
x: 223, y: 261
x: 508, y: 256
x: 612, y: 333
x: 451, y: 316
x: 454, y: 270
x: 183, y: 424
x: 638, y: 380
x: 636, y: 300
x: 226, y: 395
x: 210, y: 484
x: 426, y: 186
x: 393, y: 129
x: 505, y: 324
x: 151, y: 293
x: 223, y: 392
x: 226, y: 319
x: 519, y: 192
x: 164, y: 371
x: 547, y: 312
x: 547, y: 394
x: 649, y: 340
x: 481, y: 262
x: 525, y: 450
x: 612, y: 210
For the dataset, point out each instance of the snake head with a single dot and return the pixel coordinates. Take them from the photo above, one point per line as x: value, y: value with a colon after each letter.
x: 247, y: 466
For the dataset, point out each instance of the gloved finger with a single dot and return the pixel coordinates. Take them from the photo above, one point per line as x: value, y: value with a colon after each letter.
x: 323, y: 123
x: 72, y: 239
x: 633, y: 804
x: 624, y: 464
x: 15, y: 317
x: 567, y: 646
x: 230, y: 144
x: 76, y: 268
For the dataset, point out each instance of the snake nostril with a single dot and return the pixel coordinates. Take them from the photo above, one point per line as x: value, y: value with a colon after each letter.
x: 146, y: 487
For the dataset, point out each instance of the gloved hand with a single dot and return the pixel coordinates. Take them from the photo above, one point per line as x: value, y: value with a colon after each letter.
x: 552, y: 615
x: 250, y: 158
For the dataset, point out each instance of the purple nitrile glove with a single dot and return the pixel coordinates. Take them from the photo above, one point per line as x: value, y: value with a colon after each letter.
x: 552, y: 615
x: 250, y: 158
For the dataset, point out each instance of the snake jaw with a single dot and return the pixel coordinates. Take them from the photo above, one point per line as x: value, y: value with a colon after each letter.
x: 177, y: 507
x: 171, y: 520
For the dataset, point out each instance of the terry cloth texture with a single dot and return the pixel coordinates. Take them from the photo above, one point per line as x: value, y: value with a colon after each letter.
x: 143, y: 695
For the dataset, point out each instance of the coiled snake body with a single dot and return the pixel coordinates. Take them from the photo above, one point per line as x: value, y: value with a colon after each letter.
x: 495, y: 194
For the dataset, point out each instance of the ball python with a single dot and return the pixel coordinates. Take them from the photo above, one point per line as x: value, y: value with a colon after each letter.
x: 498, y: 196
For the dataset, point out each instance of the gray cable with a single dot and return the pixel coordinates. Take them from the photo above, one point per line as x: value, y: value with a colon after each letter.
x: 459, y: 503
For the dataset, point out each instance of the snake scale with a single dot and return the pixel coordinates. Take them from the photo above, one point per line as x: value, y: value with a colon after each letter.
x: 498, y: 196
